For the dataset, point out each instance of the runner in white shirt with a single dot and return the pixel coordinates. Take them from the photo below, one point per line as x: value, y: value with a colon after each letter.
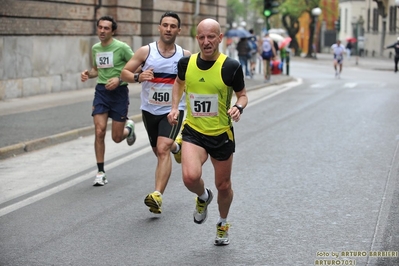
x: 339, y: 50
x: 158, y: 64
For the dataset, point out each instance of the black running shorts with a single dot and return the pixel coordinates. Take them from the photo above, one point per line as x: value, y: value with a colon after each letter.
x: 158, y: 125
x: 218, y: 147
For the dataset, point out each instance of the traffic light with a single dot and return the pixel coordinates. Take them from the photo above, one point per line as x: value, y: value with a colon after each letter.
x: 270, y: 7
x: 337, y: 24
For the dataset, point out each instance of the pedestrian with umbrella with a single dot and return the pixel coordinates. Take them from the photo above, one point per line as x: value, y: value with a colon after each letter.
x: 283, y: 48
x: 240, y: 33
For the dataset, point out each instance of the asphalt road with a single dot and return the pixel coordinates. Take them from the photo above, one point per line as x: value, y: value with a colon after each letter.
x: 315, y: 178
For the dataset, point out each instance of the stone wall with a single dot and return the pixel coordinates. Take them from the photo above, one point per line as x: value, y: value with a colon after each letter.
x: 44, y: 45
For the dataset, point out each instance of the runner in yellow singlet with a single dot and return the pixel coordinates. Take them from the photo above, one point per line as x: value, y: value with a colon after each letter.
x: 209, y: 80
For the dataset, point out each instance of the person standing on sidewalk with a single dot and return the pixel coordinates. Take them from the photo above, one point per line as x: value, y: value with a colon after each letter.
x: 244, y: 53
x: 396, y: 58
x: 338, y: 50
x: 254, y: 52
x: 158, y: 62
x: 268, y: 52
x: 111, y: 98
x: 349, y: 49
x: 209, y: 79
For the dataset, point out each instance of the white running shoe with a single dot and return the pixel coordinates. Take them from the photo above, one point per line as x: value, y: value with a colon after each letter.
x: 131, y: 138
x: 201, y: 208
x: 100, y: 180
x: 222, y: 234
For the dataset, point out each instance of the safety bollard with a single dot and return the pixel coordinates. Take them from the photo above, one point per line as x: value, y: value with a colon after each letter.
x: 287, y: 64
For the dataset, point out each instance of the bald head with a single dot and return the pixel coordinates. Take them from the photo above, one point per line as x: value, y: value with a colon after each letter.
x: 209, y: 37
x: 209, y: 24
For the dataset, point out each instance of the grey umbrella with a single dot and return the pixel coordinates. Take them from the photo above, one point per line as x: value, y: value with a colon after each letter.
x: 241, y: 33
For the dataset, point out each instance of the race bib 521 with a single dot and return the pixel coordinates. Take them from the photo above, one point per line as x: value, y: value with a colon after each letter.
x: 105, y: 60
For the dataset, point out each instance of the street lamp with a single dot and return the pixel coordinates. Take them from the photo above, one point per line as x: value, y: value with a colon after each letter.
x: 359, y: 31
x: 259, y: 25
x: 397, y: 4
x: 357, y: 26
x: 316, y: 12
x: 354, y: 32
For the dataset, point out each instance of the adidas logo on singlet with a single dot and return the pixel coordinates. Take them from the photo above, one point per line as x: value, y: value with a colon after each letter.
x: 201, y: 80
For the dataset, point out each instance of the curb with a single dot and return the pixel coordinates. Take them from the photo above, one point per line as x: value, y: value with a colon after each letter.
x: 259, y: 86
x: 17, y: 149
x: 37, y: 144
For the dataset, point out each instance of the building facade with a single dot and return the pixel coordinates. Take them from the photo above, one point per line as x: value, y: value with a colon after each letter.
x: 44, y: 45
x: 374, y: 23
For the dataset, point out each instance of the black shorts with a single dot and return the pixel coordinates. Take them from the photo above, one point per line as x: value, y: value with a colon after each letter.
x: 218, y: 147
x: 158, y: 125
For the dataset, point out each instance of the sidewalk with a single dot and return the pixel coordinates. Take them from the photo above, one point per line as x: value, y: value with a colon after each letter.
x: 33, y: 123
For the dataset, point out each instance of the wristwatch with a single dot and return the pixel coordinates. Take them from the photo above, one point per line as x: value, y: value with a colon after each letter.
x: 136, y: 77
x: 239, y: 107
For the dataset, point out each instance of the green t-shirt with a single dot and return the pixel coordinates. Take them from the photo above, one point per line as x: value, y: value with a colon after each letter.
x: 110, y: 60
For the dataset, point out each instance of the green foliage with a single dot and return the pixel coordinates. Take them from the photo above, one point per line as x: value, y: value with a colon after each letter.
x: 290, y: 11
x: 292, y: 8
x: 235, y: 8
x: 256, y: 5
x: 295, y: 8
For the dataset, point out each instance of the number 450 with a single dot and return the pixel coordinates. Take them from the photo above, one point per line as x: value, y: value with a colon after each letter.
x: 161, y: 97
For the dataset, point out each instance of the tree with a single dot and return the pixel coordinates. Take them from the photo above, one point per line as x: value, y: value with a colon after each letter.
x: 292, y: 10
x: 310, y: 4
x: 235, y: 8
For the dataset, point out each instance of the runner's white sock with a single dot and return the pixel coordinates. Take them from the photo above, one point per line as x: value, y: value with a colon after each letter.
x: 204, y: 196
x: 177, y: 148
x: 222, y: 221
